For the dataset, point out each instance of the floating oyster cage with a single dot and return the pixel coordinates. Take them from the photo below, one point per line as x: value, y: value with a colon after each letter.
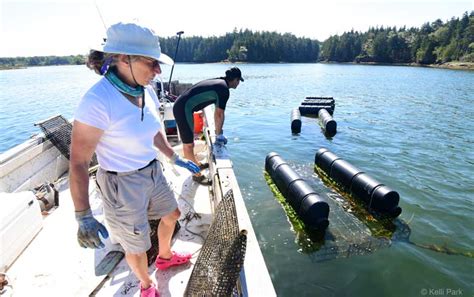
x: 311, y: 100
x: 311, y: 106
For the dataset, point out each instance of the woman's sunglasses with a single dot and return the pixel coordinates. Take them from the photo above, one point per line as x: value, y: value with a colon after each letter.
x: 154, y: 63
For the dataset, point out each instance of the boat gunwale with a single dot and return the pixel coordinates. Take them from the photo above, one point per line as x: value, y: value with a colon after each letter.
x: 254, y: 277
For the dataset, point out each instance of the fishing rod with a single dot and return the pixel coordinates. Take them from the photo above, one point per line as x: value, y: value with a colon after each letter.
x: 174, y: 59
x: 100, y: 15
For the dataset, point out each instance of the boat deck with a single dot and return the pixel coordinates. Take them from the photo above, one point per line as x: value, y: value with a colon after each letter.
x: 55, y: 265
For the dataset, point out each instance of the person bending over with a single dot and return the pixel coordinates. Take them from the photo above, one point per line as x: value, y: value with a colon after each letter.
x: 196, y: 98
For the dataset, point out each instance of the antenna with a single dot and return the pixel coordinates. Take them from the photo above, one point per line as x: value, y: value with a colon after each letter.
x: 100, y: 15
x: 174, y: 59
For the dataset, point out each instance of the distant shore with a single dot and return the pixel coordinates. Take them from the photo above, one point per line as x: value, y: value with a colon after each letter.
x: 12, y: 67
x: 455, y: 65
x: 448, y: 65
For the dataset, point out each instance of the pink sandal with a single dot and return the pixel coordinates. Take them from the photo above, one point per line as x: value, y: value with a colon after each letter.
x: 176, y: 259
x: 150, y: 292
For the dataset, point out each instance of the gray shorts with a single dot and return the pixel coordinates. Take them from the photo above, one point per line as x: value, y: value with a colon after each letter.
x: 130, y: 199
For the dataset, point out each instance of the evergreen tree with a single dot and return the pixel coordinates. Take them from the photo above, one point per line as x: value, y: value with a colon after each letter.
x: 435, y: 42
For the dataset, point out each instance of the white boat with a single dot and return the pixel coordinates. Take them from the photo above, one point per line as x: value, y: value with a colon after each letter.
x: 47, y: 260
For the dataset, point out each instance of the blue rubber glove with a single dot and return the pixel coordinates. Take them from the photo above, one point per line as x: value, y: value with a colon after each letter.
x: 189, y: 165
x: 89, y: 229
x: 221, y: 140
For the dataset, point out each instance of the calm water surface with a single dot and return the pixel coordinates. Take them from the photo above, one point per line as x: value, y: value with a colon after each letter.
x: 411, y: 128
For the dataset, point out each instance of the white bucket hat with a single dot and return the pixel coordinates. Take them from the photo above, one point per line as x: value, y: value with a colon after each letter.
x: 133, y: 39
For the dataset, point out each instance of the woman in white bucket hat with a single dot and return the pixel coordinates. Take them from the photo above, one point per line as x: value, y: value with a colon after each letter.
x: 118, y: 120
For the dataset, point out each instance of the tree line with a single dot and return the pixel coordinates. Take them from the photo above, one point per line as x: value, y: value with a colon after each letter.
x: 238, y: 46
x: 433, y: 43
x: 244, y: 46
x: 18, y: 62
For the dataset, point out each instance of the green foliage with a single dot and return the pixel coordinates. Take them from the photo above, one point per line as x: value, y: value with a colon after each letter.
x: 425, y: 54
x: 244, y: 46
x: 238, y: 46
x: 20, y: 62
x: 435, y: 42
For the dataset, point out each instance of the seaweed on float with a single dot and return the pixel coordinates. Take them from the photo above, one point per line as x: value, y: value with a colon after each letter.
x: 382, y: 225
x: 308, y: 239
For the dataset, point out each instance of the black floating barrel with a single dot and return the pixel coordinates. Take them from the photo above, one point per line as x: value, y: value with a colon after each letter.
x: 318, y: 98
x: 311, y: 102
x: 322, y: 100
x: 295, y: 121
x: 298, y: 190
x: 324, y: 159
x: 375, y: 194
x: 328, y: 124
x: 316, y: 103
x: 315, y: 212
x: 284, y: 177
x: 319, y: 153
x: 343, y: 172
x: 309, y: 206
x: 306, y: 110
x: 363, y: 185
x: 387, y: 200
x: 272, y: 161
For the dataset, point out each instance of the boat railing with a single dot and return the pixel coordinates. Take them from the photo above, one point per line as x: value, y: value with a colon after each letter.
x: 254, y: 276
x: 15, y: 151
x: 29, y: 164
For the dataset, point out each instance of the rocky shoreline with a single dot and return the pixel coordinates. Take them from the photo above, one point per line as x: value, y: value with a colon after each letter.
x: 454, y: 65
x: 448, y: 65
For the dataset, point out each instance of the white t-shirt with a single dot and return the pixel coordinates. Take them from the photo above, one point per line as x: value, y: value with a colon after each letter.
x: 127, y: 142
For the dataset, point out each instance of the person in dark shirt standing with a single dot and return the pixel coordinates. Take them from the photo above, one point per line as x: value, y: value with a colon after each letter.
x: 196, y: 98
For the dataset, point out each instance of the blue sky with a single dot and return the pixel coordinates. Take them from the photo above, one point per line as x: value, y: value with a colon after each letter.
x: 64, y: 27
